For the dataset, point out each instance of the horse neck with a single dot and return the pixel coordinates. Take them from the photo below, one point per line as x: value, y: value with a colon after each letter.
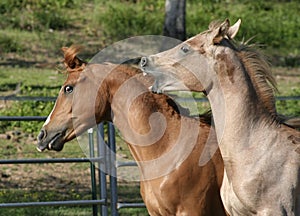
x: 237, y: 109
x: 140, y: 117
x: 159, y: 138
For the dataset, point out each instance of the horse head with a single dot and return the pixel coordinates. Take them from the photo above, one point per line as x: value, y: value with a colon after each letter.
x: 187, y: 66
x: 76, y: 108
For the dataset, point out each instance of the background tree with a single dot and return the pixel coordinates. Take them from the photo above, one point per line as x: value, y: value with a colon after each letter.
x: 174, y: 25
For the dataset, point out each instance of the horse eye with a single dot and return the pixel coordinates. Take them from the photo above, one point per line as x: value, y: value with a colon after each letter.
x: 68, y: 89
x: 185, y: 48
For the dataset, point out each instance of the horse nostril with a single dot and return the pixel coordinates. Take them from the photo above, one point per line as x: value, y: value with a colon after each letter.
x: 143, y: 61
x: 41, y: 135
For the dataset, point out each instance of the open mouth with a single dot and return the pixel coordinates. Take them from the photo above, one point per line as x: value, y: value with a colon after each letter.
x: 54, y: 144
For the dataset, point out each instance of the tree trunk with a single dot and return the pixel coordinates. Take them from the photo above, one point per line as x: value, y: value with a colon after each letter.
x: 174, y: 25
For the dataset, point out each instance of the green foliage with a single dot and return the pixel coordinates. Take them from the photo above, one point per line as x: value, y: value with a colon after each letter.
x: 120, y: 20
x: 9, y: 44
x: 290, y: 107
x: 273, y: 24
x: 35, y: 14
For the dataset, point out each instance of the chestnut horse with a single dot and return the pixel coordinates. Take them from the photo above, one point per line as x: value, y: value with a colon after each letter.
x: 260, y: 152
x: 166, y: 145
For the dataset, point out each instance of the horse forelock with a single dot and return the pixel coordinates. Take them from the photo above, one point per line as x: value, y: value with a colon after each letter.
x: 71, y: 61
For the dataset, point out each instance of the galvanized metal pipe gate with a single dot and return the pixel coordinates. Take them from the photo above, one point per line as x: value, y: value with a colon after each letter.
x: 104, y: 159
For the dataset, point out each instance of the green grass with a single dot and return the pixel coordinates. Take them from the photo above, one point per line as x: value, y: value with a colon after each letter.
x: 16, y: 195
x: 33, y: 82
x: 31, y: 77
x: 288, y: 83
x: 49, y: 211
x: 42, y: 27
x: 33, y: 196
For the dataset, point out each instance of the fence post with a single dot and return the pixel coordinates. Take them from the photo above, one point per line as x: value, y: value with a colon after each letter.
x: 92, y: 167
x: 113, y: 170
x: 101, y: 150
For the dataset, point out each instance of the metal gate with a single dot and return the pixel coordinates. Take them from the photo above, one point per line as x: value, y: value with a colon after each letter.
x: 104, y: 159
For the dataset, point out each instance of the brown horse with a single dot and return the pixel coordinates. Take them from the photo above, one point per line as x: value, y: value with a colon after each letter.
x: 166, y: 145
x: 261, y: 154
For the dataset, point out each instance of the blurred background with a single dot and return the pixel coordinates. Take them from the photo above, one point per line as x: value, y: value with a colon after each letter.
x: 32, y: 31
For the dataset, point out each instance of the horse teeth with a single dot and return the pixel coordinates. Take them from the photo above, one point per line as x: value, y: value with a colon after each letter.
x: 39, y: 150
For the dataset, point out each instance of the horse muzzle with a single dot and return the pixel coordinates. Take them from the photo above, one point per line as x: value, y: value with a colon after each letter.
x: 50, y: 140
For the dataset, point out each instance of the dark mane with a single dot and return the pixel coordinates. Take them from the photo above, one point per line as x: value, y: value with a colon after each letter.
x: 260, y: 74
x: 259, y: 71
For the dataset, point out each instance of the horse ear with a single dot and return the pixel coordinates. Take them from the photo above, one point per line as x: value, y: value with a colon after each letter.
x: 233, y: 30
x: 220, y: 32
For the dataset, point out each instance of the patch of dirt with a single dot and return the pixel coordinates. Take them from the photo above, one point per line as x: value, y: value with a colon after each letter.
x: 63, y: 178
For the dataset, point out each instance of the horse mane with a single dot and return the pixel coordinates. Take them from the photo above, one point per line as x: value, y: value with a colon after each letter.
x: 259, y: 71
